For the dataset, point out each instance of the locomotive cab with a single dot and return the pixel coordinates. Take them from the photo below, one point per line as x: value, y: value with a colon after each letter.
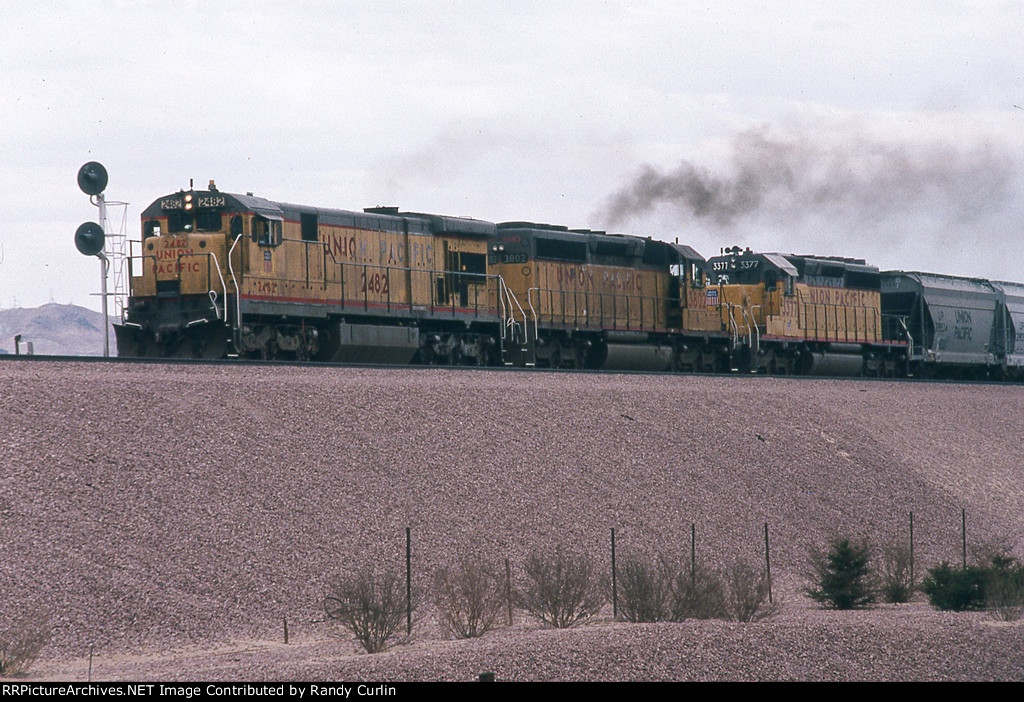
x: 181, y: 278
x: 801, y: 314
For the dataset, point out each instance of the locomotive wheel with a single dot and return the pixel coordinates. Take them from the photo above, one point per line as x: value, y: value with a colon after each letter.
x: 699, y: 363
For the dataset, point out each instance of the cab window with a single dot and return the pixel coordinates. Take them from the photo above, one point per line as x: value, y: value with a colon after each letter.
x: 207, y: 221
x: 697, y: 275
x: 266, y: 232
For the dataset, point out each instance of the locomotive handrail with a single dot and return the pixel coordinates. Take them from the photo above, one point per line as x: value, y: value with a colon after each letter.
x: 750, y: 334
x: 485, y: 278
x: 533, y: 310
x: 238, y: 293
x: 757, y: 330
x: 220, y: 275
x: 142, y: 258
x: 511, y: 322
x: 834, y: 333
x: 223, y: 316
x: 734, y: 328
x: 735, y: 334
x: 568, y: 308
x: 910, y: 337
x: 513, y: 298
x: 504, y: 307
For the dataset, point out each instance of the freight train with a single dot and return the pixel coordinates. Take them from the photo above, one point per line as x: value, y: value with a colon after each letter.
x: 218, y: 274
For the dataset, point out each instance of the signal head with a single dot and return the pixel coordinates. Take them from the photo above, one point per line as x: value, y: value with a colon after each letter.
x: 89, y: 238
x: 92, y: 178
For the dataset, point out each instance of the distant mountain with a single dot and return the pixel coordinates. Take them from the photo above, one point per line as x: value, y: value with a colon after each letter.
x: 55, y: 330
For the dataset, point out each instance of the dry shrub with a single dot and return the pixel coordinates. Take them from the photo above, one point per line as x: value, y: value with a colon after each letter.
x: 1004, y: 589
x: 469, y: 598
x: 747, y: 594
x: 644, y: 592
x: 561, y: 590
x: 897, y: 584
x: 662, y: 591
x: 696, y: 594
x: 1004, y: 595
x: 21, y: 643
x: 371, y: 606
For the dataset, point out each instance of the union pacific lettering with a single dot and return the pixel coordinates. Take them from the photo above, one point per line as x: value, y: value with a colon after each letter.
x: 343, y: 246
x: 583, y: 278
x: 392, y: 253
x: 346, y: 246
x: 842, y: 297
x: 174, y: 257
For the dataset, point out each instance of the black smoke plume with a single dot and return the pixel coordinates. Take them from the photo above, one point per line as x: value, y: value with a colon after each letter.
x: 785, y: 179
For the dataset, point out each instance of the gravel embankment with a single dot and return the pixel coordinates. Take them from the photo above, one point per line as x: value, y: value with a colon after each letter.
x: 173, y: 516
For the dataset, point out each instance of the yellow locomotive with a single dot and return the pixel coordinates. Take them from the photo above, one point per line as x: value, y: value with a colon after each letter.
x: 226, y: 274
x: 803, y: 314
x: 594, y: 300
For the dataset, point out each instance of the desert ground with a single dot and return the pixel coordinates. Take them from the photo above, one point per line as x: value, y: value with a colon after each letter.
x: 169, y: 519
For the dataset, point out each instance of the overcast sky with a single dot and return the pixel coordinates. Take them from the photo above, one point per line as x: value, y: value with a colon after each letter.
x: 887, y: 131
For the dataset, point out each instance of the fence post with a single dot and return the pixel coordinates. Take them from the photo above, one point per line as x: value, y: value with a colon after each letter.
x: 408, y: 580
x: 615, y: 591
x: 693, y: 550
x: 508, y: 589
x: 911, y: 549
x: 963, y: 538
